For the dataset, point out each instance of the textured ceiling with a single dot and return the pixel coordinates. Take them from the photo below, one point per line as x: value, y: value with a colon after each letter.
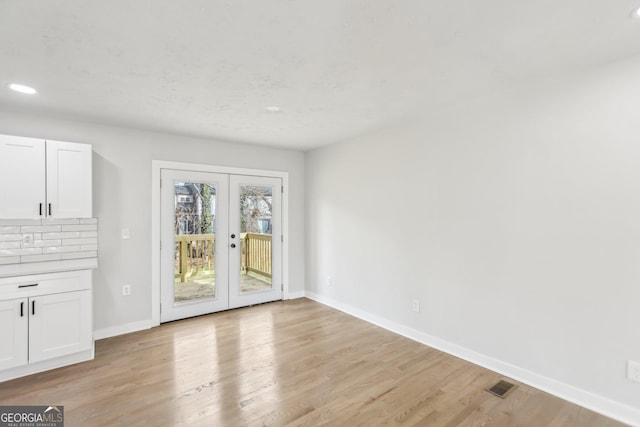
x: 336, y: 68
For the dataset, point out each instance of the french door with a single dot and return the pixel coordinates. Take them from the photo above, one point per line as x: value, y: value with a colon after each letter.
x: 220, y: 242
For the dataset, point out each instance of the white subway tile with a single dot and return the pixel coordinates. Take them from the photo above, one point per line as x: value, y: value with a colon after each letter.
x: 60, y: 221
x: 17, y: 252
x: 43, y: 243
x: 40, y: 258
x: 39, y: 228
x: 66, y: 242
x: 20, y: 222
x: 62, y: 235
x: 54, y: 239
x: 87, y: 227
x: 7, y: 229
x: 61, y: 249
x: 9, y: 260
x: 10, y: 245
x: 76, y: 255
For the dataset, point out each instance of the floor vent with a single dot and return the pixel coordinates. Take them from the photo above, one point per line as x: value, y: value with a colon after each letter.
x: 502, y: 389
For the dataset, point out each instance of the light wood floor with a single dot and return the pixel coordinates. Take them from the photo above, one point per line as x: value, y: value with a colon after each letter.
x: 286, y: 363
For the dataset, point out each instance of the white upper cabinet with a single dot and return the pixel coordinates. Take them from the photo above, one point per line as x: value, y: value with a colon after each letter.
x: 68, y: 180
x: 22, y: 177
x: 40, y: 179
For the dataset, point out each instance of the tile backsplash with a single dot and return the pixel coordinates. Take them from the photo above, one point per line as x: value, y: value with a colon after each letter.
x: 38, y: 240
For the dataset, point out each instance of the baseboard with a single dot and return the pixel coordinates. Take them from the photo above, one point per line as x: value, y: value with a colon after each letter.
x: 296, y: 295
x: 599, y: 404
x: 127, y: 328
x: 46, y: 365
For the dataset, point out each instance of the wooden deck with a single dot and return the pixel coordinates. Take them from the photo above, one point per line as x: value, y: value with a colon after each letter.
x: 195, y: 254
x: 201, y: 287
x: 288, y: 363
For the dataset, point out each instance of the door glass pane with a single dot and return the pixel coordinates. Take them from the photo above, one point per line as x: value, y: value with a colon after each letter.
x: 195, y: 242
x: 255, y: 238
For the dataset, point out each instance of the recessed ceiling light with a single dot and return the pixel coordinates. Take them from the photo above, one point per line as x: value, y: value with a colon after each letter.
x: 273, y: 108
x: 635, y: 13
x: 22, y: 88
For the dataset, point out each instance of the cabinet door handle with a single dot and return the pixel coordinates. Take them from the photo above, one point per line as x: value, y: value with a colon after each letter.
x: 49, y: 209
x: 40, y: 209
x: 33, y: 307
x: 28, y: 286
x: 22, y: 309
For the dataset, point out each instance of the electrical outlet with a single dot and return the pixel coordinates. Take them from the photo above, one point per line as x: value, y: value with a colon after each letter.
x: 633, y: 370
x: 415, y: 306
x: 329, y: 281
x: 27, y: 240
x: 126, y: 290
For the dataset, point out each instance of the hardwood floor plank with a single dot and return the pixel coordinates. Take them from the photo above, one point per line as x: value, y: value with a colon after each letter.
x: 293, y: 363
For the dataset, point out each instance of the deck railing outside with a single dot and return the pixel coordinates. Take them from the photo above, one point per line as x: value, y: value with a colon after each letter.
x: 256, y: 253
x: 195, y: 254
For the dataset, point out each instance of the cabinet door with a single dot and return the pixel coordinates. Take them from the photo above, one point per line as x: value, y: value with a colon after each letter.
x: 59, y: 324
x: 68, y: 180
x: 22, y: 177
x: 13, y: 333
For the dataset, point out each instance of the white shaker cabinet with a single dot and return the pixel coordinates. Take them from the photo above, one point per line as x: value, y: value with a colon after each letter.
x: 59, y: 324
x: 22, y: 177
x: 14, y: 333
x: 44, y: 179
x: 46, y: 321
x: 68, y: 180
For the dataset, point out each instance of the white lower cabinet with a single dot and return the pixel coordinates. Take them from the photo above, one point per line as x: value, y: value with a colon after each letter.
x: 59, y: 324
x: 14, y: 334
x: 45, y: 322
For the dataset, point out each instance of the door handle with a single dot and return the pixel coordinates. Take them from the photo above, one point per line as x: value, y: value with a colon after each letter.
x: 233, y: 245
x: 40, y: 209
x: 22, y: 309
x: 33, y: 307
x: 49, y: 209
x: 233, y: 236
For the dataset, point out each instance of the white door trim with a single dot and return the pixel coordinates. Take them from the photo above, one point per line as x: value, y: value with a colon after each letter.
x: 156, y: 167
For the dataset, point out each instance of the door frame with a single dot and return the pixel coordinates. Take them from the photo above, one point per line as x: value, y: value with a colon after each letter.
x: 156, y: 167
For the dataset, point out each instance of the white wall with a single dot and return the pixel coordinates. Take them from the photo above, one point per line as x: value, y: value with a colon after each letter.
x: 514, y: 219
x: 122, y: 198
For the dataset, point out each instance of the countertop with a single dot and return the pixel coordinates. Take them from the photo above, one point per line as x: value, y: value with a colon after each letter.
x: 12, y: 270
